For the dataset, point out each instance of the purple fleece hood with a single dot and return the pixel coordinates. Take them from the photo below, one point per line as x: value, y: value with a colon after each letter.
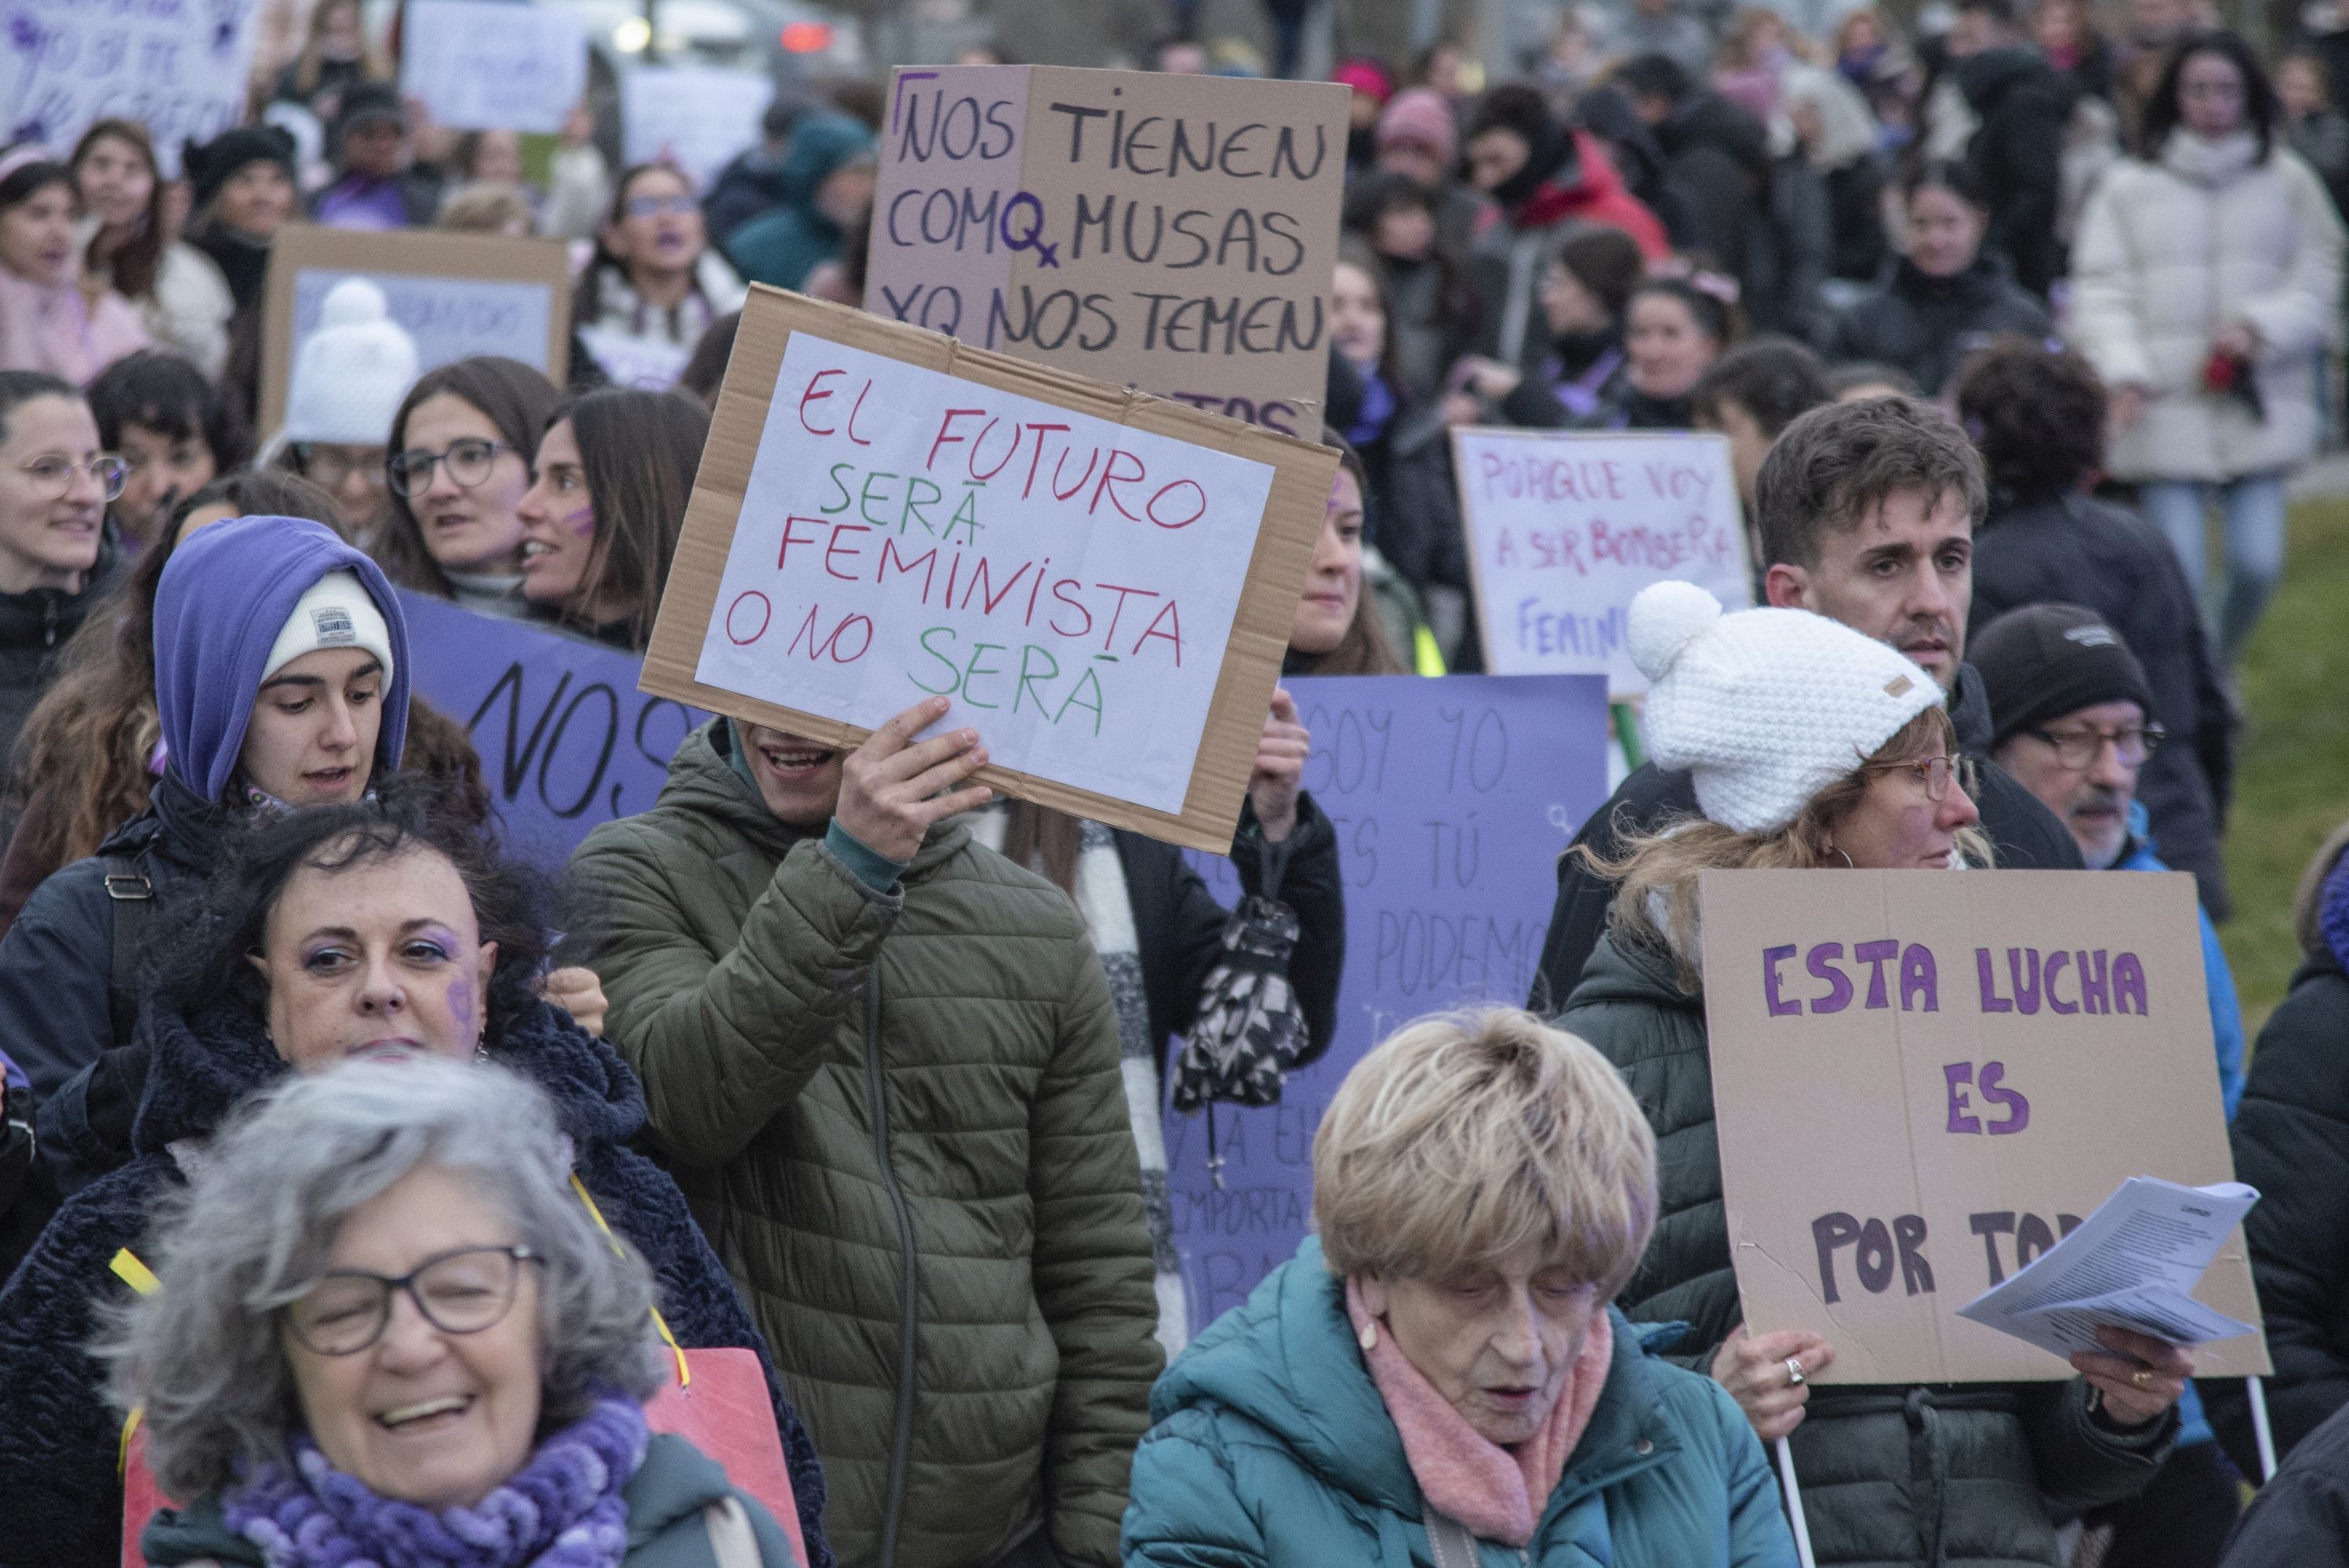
x: 224, y: 597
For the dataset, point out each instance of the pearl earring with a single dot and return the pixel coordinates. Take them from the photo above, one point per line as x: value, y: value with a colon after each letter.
x: 1369, y: 1335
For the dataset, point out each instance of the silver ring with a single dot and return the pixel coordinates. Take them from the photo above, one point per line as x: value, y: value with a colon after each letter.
x: 1794, y: 1372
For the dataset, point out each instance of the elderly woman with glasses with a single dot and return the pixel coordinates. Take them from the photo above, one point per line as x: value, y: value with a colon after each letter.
x: 1812, y: 746
x: 379, y: 928
x: 388, y: 1331
x: 58, y: 557
x: 1444, y: 1364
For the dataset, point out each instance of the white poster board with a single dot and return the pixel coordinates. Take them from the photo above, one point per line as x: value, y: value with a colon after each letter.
x: 695, y: 117
x: 1565, y: 528
x: 178, y: 68
x: 1070, y: 581
x: 490, y: 65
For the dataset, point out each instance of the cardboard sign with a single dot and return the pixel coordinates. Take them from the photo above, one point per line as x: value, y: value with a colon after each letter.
x: 1173, y: 234
x: 457, y: 295
x: 1452, y: 799
x: 566, y: 740
x: 1102, y: 581
x: 1988, y: 1057
x: 177, y: 67
x: 1565, y: 528
x: 490, y: 65
x: 693, y: 117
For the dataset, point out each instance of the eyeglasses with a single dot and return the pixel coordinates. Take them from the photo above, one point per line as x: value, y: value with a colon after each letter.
x: 657, y: 206
x: 469, y: 461
x: 53, y: 474
x: 1932, y: 773
x: 2077, y: 751
x: 463, y: 1292
x: 330, y: 466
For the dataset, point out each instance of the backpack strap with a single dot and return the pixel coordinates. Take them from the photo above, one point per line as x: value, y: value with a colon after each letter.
x: 1449, y: 1541
x: 131, y: 895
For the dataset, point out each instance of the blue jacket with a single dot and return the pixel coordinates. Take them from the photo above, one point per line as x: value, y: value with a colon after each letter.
x: 1272, y: 1447
x: 2226, y: 1034
x: 784, y: 245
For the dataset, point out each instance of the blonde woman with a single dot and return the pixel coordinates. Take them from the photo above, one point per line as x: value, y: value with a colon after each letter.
x: 1443, y: 1363
x: 1814, y: 746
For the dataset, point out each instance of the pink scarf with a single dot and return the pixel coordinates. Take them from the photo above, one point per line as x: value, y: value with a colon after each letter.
x: 1498, y: 1493
x: 51, y: 327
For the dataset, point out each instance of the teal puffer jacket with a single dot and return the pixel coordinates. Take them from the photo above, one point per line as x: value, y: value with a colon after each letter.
x: 1272, y: 1447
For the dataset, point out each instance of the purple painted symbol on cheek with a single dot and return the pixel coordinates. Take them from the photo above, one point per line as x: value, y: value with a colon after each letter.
x: 582, y: 523
x: 460, y: 1009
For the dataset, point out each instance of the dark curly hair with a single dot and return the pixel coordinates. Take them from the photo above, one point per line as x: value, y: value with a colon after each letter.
x: 205, y: 964
x: 2037, y: 415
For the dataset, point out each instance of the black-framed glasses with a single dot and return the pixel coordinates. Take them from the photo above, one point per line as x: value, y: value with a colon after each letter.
x: 461, y: 1292
x: 52, y: 474
x: 469, y: 461
x: 1932, y: 774
x: 2077, y: 750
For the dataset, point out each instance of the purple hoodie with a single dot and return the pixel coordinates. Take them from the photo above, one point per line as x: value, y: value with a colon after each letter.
x: 224, y: 597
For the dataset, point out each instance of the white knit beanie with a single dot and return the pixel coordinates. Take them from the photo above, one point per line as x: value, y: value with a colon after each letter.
x: 350, y: 374
x: 336, y: 612
x: 1764, y: 707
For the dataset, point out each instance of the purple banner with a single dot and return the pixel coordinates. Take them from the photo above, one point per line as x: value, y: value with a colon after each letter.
x: 566, y: 739
x: 1452, y: 799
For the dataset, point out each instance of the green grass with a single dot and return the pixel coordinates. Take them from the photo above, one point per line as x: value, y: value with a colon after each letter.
x: 2291, y: 765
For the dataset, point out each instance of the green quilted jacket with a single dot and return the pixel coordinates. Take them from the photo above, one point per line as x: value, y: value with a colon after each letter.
x: 1952, y: 1475
x: 901, y: 1120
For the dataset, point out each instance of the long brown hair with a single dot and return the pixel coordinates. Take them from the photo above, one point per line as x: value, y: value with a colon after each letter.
x: 1656, y: 875
x: 1039, y: 838
x: 1364, y: 649
x: 131, y: 268
x: 637, y: 452
x: 517, y: 399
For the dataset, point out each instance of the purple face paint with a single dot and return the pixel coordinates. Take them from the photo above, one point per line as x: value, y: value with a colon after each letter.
x: 582, y: 523
x: 460, y: 1009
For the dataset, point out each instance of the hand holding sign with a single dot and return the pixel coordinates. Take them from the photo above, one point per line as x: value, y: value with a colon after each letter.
x: 892, y: 790
x: 1281, y: 758
x: 1758, y: 1370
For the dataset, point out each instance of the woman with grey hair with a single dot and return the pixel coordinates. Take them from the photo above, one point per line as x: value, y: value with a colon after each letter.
x: 1443, y: 1365
x: 381, y: 928
x: 386, y: 1329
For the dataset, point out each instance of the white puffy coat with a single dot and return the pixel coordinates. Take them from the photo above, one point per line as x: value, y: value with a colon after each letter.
x: 2171, y: 253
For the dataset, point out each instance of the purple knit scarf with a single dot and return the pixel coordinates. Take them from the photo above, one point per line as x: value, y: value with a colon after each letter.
x: 2332, y: 910
x: 562, y: 1510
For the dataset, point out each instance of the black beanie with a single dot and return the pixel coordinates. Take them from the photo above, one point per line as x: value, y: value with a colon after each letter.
x: 209, y: 166
x: 2040, y: 662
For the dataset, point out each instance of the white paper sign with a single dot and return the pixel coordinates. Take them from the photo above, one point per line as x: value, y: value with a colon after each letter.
x: 692, y: 116
x: 1564, y: 529
x: 449, y: 319
x: 489, y: 65
x: 1069, y: 581
x: 177, y: 67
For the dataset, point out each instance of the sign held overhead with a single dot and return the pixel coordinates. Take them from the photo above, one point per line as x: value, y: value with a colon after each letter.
x: 1101, y: 581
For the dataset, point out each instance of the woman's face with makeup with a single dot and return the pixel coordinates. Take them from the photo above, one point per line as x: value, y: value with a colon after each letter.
x: 310, y: 738
x: 558, y: 521
x: 382, y: 957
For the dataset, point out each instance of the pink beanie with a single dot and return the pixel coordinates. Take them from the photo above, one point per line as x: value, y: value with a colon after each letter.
x: 1420, y: 117
x: 1366, y: 76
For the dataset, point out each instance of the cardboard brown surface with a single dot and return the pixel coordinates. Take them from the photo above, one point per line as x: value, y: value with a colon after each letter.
x: 1250, y: 662
x: 1851, y: 1111
x: 1031, y: 210
x: 406, y: 253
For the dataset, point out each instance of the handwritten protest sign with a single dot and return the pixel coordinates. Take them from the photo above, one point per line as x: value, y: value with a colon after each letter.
x: 694, y: 117
x: 1452, y: 799
x: 1101, y: 581
x: 1565, y: 528
x: 456, y: 295
x: 177, y: 67
x: 1174, y: 233
x: 566, y: 739
x: 1990, y: 1057
x: 490, y: 65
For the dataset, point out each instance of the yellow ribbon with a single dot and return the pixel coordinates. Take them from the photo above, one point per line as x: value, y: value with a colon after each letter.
x: 684, y: 1373
x: 127, y: 1268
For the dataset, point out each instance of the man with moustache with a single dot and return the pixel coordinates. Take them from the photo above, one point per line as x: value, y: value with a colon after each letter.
x: 2069, y: 721
x: 1866, y: 512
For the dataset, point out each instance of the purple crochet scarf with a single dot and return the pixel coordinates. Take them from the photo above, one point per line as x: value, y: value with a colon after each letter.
x: 562, y: 1510
x: 2332, y: 910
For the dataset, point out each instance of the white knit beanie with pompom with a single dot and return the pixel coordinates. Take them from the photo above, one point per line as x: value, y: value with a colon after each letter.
x: 1764, y: 707
x: 350, y: 374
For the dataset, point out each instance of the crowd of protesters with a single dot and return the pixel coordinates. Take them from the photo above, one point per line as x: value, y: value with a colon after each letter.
x: 380, y: 1180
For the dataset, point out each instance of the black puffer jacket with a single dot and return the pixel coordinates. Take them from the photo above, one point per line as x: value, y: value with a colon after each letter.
x: 2073, y: 550
x: 2017, y: 152
x: 34, y: 625
x: 59, y: 1441
x: 2291, y: 1139
x: 1946, y: 1475
x: 1926, y: 325
x: 2300, y: 1519
x: 2024, y: 833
